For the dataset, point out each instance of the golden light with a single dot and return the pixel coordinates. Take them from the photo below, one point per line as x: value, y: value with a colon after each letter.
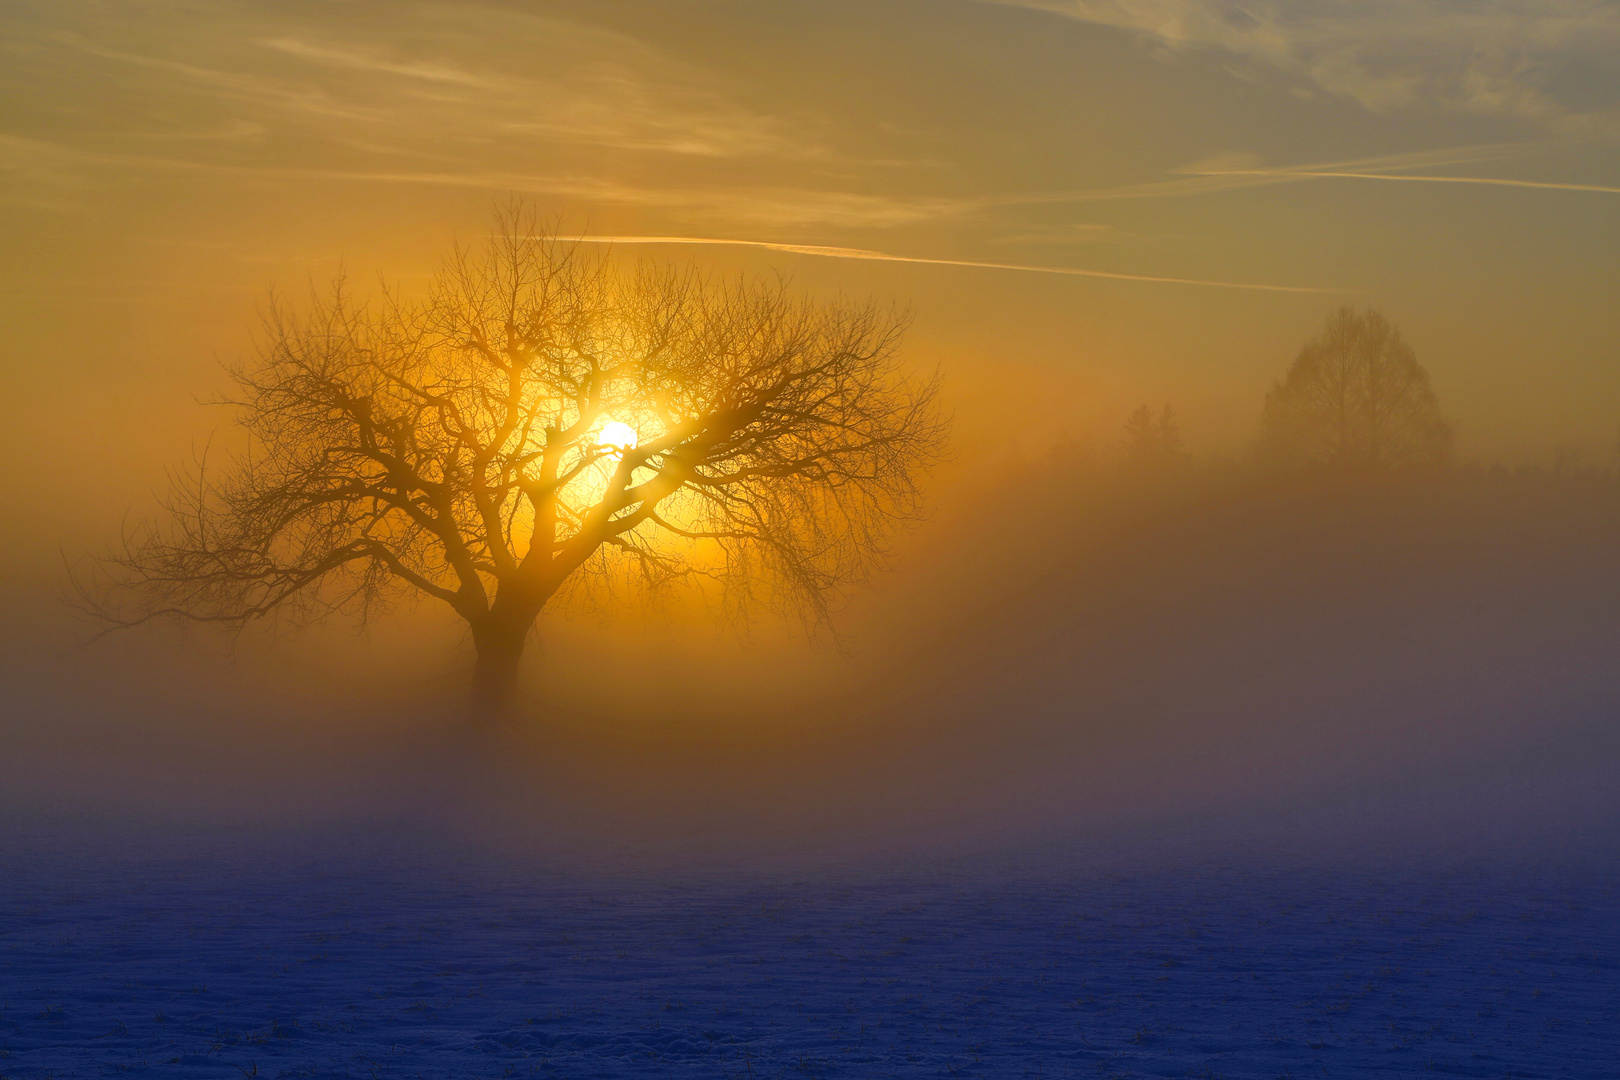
x: 617, y: 434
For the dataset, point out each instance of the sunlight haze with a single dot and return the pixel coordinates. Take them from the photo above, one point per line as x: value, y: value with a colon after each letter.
x: 855, y: 538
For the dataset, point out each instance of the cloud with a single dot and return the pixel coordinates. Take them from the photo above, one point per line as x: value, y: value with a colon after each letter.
x: 373, y: 64
x: 1067, y: 234
x: 427, y: 79
x: 1544, y: 60
x: 234, y: 85
x: 617, y: 94
x: 56, y: 164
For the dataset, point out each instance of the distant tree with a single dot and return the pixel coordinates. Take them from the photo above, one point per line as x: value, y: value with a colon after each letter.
x: 1355, y: 401
x: 1570, y: 459
x: 544, y: 420
x: 1153, y: 442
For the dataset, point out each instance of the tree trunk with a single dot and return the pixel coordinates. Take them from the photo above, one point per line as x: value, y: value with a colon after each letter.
x: 495, y: 676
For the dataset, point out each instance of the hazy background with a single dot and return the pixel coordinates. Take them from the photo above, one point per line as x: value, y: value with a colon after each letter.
x: 1062, y: 647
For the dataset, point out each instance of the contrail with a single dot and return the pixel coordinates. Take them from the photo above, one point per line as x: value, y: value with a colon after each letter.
x: 1304, y: 174
x: 883, y: 256
x: 1212, y: 177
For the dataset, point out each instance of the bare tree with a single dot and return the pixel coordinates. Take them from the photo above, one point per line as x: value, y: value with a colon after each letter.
x: 545, y: 421
x: 1355, y: 400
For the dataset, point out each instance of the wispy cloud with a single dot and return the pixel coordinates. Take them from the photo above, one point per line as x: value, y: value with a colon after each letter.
x: 372, y: 63
x: 1069, y: 234
x: 432, y: 78
x: 239, y: 86
x: 821, y: 251
x: 773, y: 207
x: 1545, y: 60
x: 625, y: 96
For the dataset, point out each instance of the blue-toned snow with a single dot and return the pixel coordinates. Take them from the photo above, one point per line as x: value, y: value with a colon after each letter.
x: 387, y: 966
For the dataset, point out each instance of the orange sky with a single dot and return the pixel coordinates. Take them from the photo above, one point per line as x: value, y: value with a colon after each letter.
x: 162, y: 166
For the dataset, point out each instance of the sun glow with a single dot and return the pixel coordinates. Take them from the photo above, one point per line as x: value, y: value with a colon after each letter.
x: 617, y: 434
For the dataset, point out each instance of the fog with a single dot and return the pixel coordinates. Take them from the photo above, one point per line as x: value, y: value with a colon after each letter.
x: 1081, y: 211
x: 1067, y: 652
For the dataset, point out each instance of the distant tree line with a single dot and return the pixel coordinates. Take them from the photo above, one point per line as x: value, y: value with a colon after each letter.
x: 1153, y: 441
x: 1354, y: 403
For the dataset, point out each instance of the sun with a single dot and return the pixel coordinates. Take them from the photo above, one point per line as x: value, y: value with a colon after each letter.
x: 617, y: 434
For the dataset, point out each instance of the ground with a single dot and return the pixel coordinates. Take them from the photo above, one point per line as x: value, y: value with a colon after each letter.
x: 353, y: 958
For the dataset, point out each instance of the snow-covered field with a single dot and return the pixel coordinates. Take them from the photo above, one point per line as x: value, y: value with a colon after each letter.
x: 345, y: 961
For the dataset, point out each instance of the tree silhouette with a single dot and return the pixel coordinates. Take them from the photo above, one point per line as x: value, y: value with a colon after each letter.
x: 1355, y: 401
x: 545, y: 421
x: 1153, y: 444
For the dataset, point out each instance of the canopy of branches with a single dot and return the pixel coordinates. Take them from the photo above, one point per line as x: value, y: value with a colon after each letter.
x: 547, y: 416
x: 1355, y: 400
